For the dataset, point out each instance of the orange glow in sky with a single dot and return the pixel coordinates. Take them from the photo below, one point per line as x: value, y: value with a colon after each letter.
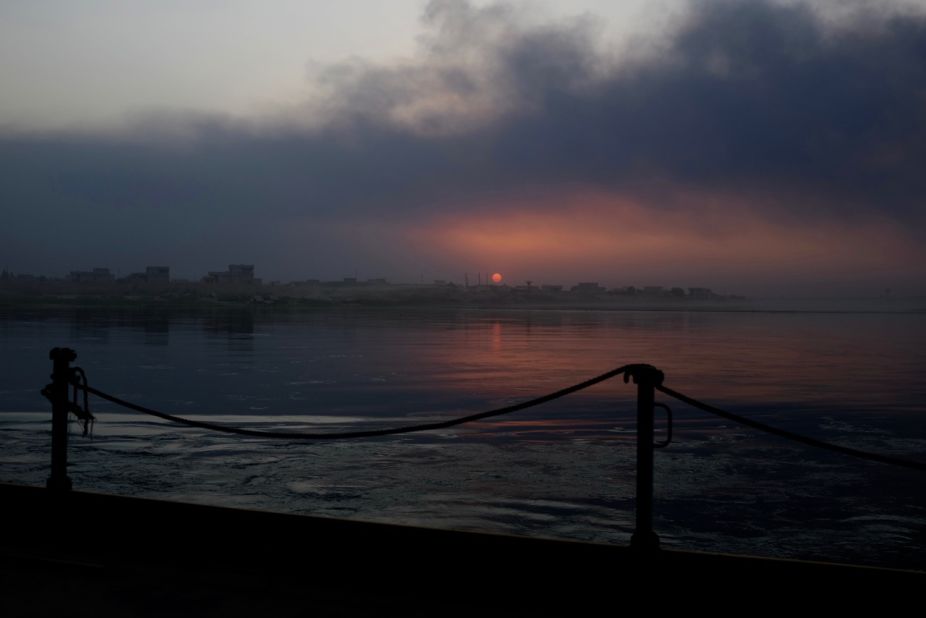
x: 711, y: 240
x: 497, y: 278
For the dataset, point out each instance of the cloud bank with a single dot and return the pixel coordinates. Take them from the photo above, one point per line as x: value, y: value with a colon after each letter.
x: 753, y: 120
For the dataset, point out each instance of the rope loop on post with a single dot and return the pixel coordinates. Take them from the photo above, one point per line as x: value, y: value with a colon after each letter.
x: 79, y: 382
x: 668, y: 440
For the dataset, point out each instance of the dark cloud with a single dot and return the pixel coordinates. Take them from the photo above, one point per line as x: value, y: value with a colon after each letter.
x: 754, y: 98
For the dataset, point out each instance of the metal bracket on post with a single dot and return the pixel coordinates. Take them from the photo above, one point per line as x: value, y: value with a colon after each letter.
x: 57, y: 391
x: 647, y: 378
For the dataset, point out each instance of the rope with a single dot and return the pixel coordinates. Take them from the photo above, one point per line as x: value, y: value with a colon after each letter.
x: 84, y: 417
x: 626, y: 370
x: 790, y: 435
x: 345, y: 435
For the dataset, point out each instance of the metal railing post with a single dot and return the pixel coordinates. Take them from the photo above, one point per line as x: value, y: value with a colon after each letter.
x: 646, y: 377
x: 60, y: 379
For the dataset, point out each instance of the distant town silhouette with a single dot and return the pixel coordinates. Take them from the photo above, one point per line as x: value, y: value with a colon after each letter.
x: 238, y: 283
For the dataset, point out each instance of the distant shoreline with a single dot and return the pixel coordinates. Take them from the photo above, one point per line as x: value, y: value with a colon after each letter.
x: 283, y: 305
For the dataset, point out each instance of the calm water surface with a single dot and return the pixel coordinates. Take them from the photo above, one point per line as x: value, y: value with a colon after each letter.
x: 564, y: 470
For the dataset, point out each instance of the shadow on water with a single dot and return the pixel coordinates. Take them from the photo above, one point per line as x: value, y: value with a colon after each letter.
x: 229, y: 322
x: 235, y: 327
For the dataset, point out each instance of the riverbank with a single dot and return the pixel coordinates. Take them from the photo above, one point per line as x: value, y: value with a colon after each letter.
x: 415, y: 300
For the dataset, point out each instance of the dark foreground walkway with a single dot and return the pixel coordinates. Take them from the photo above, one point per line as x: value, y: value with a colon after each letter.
x: 82, y: 554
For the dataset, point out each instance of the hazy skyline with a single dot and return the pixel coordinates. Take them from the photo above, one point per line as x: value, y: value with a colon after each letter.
x: 755, y: 147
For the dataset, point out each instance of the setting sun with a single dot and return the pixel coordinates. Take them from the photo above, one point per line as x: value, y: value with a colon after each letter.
x: 497, y: 278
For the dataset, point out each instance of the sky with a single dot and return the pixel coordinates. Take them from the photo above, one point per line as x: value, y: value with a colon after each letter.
x: 754, y: 146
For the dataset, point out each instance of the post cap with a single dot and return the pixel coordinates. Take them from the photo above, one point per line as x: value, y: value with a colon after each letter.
x: 644, y: 374
x: 62, y: 354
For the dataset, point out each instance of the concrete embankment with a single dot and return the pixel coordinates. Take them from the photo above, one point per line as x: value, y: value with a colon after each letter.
x: 76, y: 553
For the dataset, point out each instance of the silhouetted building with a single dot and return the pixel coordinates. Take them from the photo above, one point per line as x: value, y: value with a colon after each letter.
x: 701, y: 293
x: 241, y: 272
x: 135, y: 278
x: 97, y: 275
x: 587, y: 287
x: 158, y: 274
x: 236, y: 274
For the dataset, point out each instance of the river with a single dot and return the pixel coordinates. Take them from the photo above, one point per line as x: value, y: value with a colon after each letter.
x: 563, y: 470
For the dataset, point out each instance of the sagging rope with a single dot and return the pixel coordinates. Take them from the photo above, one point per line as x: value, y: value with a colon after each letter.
x: 625, y: 370
x: 346, y: 435
x: 790, y: 435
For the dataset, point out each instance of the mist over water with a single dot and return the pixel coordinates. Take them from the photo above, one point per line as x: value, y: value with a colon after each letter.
x: 564, y: 470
